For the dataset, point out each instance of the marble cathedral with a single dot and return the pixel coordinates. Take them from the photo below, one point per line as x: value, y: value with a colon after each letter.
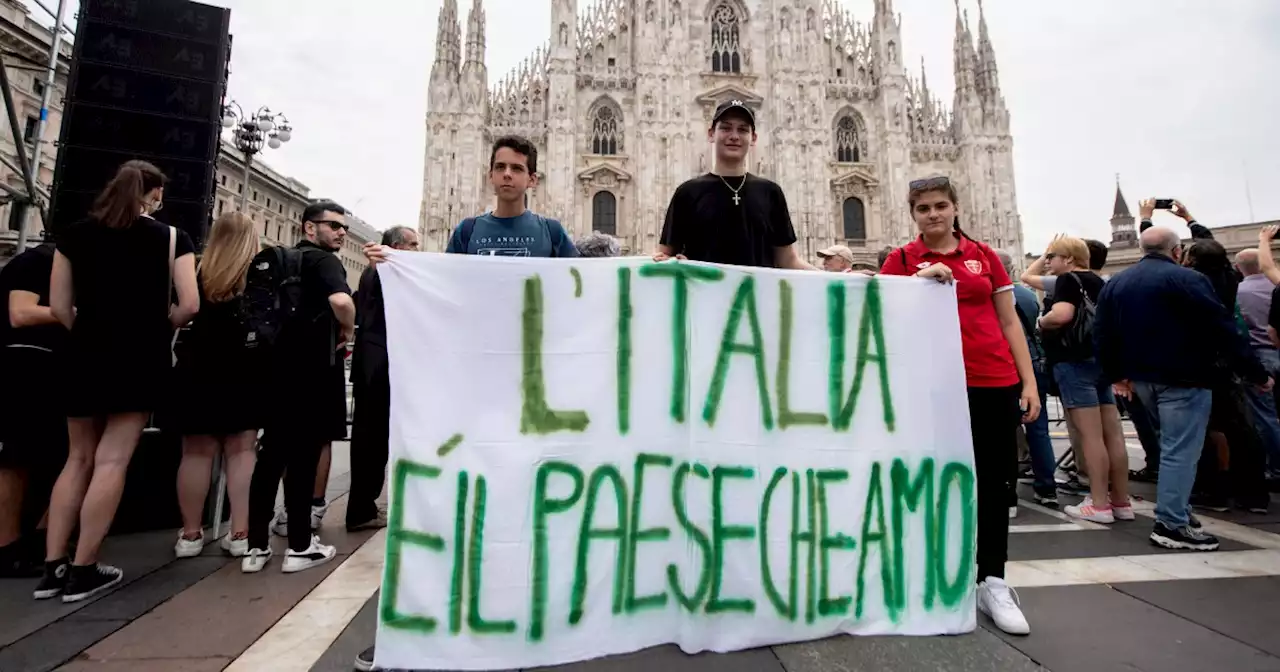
x: 619, y: 100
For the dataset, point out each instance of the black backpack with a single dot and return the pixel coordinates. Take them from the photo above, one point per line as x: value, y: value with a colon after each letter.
x: 272, y: 295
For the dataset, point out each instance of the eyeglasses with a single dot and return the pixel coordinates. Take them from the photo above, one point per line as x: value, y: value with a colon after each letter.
x: 929, y: 183
x: 335, y: 225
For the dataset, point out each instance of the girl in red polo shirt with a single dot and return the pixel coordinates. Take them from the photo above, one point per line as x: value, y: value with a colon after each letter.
x: 1001, y: 382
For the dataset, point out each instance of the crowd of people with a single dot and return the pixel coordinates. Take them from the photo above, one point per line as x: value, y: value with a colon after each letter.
x: 1185, y: 343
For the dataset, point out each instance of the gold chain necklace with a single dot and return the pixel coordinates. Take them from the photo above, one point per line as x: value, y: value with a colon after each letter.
x: 736, y: 199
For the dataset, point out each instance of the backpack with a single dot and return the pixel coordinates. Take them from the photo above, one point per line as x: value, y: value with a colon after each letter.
x: 272, y: 295
x: 1077, y: 338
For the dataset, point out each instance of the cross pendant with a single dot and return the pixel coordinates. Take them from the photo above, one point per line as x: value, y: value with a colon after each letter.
x: 736, y: 200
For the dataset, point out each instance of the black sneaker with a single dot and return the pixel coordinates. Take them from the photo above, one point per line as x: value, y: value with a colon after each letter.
x: 1073, y: 486
x: 1184, y: 538
x: 1259, y: 507
x: 85, y: 582
x: 1048, y: 500
x: 15, y: 563
x: 53, y: 581
x: 1208, y: 503
x: 1025, y: 474
x: 1145, y: 475
x: 364, y: 661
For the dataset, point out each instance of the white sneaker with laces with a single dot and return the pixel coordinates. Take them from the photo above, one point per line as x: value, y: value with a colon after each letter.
x: 188, y: 548
x: 280, y: 526
x: 316, y: 554
x: 317, y: 515
x: 997, y: 600
x: 254, y: 560
x: 236, y: 548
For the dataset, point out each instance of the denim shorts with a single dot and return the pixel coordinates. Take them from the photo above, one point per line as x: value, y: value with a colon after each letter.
x: 1080, y: 384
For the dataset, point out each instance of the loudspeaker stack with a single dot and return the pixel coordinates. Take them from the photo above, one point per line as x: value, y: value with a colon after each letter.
x: 147, y: 81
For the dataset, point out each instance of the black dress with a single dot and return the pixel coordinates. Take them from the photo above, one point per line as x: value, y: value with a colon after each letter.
x: 217, y: 380
x: 119, y: 357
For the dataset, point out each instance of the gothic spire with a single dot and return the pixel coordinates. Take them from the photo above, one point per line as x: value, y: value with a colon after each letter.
x: 924, y: 85
x: 963, y: 56
x: 988, y: 74
x: 448, y: 49
x: 475, y: 34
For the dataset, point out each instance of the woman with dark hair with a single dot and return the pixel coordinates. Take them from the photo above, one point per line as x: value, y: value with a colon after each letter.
x: 112, y: 287
x: 1000, y: 376
x: 1231, y: 438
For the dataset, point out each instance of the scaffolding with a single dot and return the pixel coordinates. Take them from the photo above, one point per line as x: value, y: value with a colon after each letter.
x: 29, y: 166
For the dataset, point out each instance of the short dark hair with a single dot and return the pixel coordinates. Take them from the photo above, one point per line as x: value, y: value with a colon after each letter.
x: 883, y: 256
x: 316, y: 208
x: 1097, y: 254
x: 394, y: 235
x: 518, y: 144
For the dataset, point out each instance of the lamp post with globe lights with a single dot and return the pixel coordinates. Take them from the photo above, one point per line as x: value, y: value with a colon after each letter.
x: 251, y: 132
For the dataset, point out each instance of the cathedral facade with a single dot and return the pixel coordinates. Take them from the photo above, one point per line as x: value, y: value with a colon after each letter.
x: 619, y: 101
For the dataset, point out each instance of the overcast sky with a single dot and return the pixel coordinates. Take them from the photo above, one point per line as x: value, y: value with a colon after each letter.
x: 1178, y: 96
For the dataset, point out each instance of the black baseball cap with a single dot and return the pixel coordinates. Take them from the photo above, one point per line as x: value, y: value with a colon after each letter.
x: 731, y: 106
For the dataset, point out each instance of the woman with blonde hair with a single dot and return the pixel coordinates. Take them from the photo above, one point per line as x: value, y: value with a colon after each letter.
x: 1067, y: 335
x: 216, y: 406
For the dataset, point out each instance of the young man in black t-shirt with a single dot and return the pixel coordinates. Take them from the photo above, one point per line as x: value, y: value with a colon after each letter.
x: 33, y: 428
x: 729, y: 216
x: 309, y: 396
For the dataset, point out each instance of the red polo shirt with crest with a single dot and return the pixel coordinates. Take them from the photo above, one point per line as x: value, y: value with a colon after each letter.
x: 979, y: 277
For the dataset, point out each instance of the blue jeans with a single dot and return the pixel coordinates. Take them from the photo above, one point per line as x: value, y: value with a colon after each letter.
x: 1263, y: 404
x: 1039, y: 445
x: 1181, y: 416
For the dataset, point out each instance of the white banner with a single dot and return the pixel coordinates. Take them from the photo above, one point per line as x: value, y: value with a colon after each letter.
x: 595, y: 456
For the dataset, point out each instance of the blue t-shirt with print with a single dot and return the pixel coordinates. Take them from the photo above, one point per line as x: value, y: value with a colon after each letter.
x: 525, y: 235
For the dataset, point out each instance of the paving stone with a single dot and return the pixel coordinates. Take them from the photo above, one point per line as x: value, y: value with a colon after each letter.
x: 54, y: 645
x: 225, y: 613
x: 1243, y: 608
x: 979, y: 651
x: 358, y: 636
x: 136, y: 554
x: 151, y: 590
x: 1123, y: 538
x: 1098, y: 629
x: 149, y: 665
x: 671, y: 659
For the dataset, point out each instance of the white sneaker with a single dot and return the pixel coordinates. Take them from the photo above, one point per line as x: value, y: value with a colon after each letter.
x: 280, y: 526
x: 316, y: 554
x: 1123, y: 512
x: 236, y: 548
x: 1013, y: 511
x: 188, y: 548
x: 997, y: 600
x: 254, y: 560
x: 317, y: 515
x: 1087, y: 511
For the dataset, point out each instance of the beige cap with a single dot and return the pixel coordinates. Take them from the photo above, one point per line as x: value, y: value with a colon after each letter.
x: 841, y: 251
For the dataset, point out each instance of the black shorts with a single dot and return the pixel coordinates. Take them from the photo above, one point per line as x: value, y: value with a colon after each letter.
x: 33, y: 424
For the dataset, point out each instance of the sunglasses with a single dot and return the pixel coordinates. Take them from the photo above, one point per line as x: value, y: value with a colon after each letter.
x: 929, y: 183
x: 336, y: 226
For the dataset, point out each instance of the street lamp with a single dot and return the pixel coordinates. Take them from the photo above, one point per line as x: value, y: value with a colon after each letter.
x: 251, y: 132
